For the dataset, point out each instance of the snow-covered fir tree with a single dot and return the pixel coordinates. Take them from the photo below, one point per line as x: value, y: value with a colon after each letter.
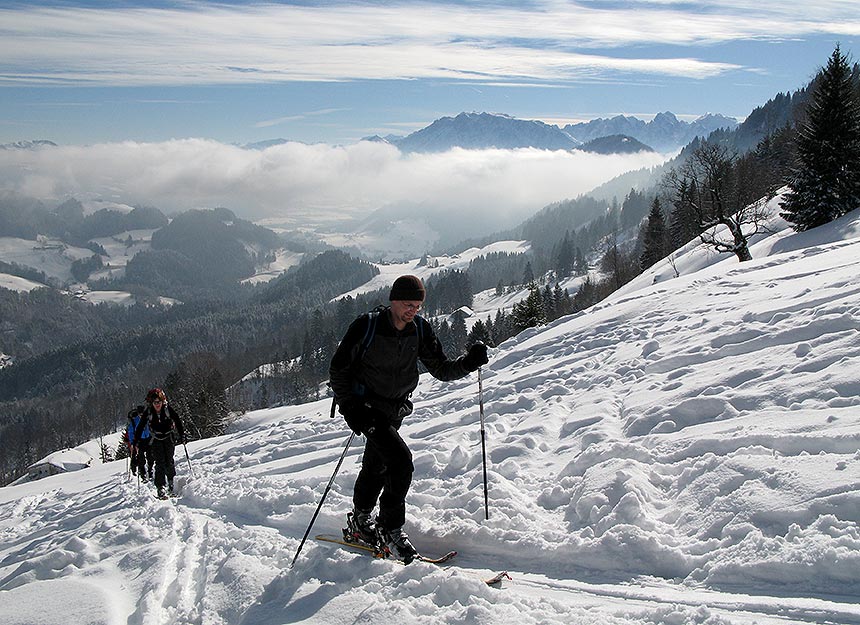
x: 826, y: 182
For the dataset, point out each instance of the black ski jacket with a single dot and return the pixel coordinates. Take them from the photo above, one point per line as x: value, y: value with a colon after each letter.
x: 387, y: 373
x: 161, y: 423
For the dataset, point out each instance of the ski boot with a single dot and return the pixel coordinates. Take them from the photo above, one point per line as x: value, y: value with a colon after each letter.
x: 360, y: 528
x: 396, y: 544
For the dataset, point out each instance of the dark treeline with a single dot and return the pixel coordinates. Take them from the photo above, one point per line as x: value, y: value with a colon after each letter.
x: 67, y: 390
x: 26, y: 218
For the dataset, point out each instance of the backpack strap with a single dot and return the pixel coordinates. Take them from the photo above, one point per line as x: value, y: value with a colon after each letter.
x: 370, y: 332
x: 419, y: 325
x: 372, y: 318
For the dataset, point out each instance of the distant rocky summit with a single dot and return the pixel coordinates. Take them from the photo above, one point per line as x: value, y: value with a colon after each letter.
x: 620, y: 134
x: 663, y: 133
x: 615, y: 144
x: 27, y: 145
x: 481, y: 131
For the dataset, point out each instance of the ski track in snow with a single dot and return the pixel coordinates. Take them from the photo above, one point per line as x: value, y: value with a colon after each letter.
x: 682, y: 453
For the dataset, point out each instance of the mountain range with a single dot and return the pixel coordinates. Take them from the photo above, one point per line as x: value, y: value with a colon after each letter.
x: 489, y: 130
x: 27, y: 145
x: 481, y: 131
x: 663, y: 133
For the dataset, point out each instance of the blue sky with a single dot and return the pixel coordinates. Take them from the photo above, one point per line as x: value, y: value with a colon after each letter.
x: 333, y: 72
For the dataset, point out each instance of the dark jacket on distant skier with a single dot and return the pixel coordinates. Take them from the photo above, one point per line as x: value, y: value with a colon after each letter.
x: 162, y: 424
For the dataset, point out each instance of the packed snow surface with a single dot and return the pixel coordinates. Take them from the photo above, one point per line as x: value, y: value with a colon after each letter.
x: 685, y: 452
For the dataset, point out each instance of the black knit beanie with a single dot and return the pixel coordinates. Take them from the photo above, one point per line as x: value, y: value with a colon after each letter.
x: 409, y: 288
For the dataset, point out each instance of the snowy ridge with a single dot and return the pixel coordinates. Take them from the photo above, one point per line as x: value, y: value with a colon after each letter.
x: 683, y: 452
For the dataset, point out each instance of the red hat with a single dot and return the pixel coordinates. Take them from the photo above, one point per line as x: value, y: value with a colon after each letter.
x: 155, y: 393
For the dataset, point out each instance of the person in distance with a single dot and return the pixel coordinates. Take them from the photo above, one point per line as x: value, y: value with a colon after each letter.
x: 165, y: 429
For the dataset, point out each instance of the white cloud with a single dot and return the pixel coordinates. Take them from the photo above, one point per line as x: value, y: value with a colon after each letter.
x: 309, y: 183
x: 202, y: 44
x: 289, y: 118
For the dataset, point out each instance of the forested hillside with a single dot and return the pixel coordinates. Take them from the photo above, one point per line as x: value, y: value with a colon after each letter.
x: 85, y: 363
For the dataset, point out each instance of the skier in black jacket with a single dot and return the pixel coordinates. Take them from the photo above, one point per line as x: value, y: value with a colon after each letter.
x: 165, y: 429
x: 373, y: 373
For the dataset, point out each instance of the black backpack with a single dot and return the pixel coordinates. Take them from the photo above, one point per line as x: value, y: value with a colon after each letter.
x: 373, y: 318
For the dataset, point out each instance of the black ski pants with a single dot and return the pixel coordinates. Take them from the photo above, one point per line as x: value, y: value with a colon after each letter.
x: 386, y: 469
x: 162, y: 454
x: 142, y: 460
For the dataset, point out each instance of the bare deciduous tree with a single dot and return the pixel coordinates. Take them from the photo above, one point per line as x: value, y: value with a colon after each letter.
x: 723, y: 190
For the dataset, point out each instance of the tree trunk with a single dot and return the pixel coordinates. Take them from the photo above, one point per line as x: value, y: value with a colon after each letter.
x: 741, y: 248
x: 742, y: 251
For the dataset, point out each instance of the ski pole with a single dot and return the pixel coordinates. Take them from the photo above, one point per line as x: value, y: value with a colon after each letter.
x: 483, y: 446
x: 190, y: 470
x: 325, y: 493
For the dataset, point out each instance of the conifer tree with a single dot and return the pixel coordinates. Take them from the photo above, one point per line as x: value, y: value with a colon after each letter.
x: 683, y: 222
x: 655, y: 238
x: 458, y: 335
x: 480, y: 332
x: 548, y: 303
x: 566, y: 256
x: 586, y: 295
x: 826, y: 182
x: 529, y: 312
x: 528, y: 274
x: 562, y: 301
x: 501, y: 327
x: 580, y: 265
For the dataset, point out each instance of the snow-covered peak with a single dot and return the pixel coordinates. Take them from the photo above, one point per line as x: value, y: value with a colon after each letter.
x: 484, y: 131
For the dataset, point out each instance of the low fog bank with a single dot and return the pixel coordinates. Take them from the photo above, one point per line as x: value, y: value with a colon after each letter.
x: 308, y: 185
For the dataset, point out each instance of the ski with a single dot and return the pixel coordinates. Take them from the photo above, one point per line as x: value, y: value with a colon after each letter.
x: 372, y: 550
x: 440, y: 560
x: 497, y: 579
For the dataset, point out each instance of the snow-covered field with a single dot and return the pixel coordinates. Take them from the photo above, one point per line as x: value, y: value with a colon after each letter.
x: 685, y: 452
x: 284, y: 259
x: 14, y: 283
x: 52, y: 257
x: 388, y: 272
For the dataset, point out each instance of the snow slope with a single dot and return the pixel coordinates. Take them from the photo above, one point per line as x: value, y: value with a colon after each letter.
x: 51, y: 256
x: 14, y: 283
x: 685, y: 452
x: 388, y: 272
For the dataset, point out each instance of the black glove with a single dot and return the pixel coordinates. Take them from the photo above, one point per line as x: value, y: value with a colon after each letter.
x: 476, y: 357
x: 357, y: 416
